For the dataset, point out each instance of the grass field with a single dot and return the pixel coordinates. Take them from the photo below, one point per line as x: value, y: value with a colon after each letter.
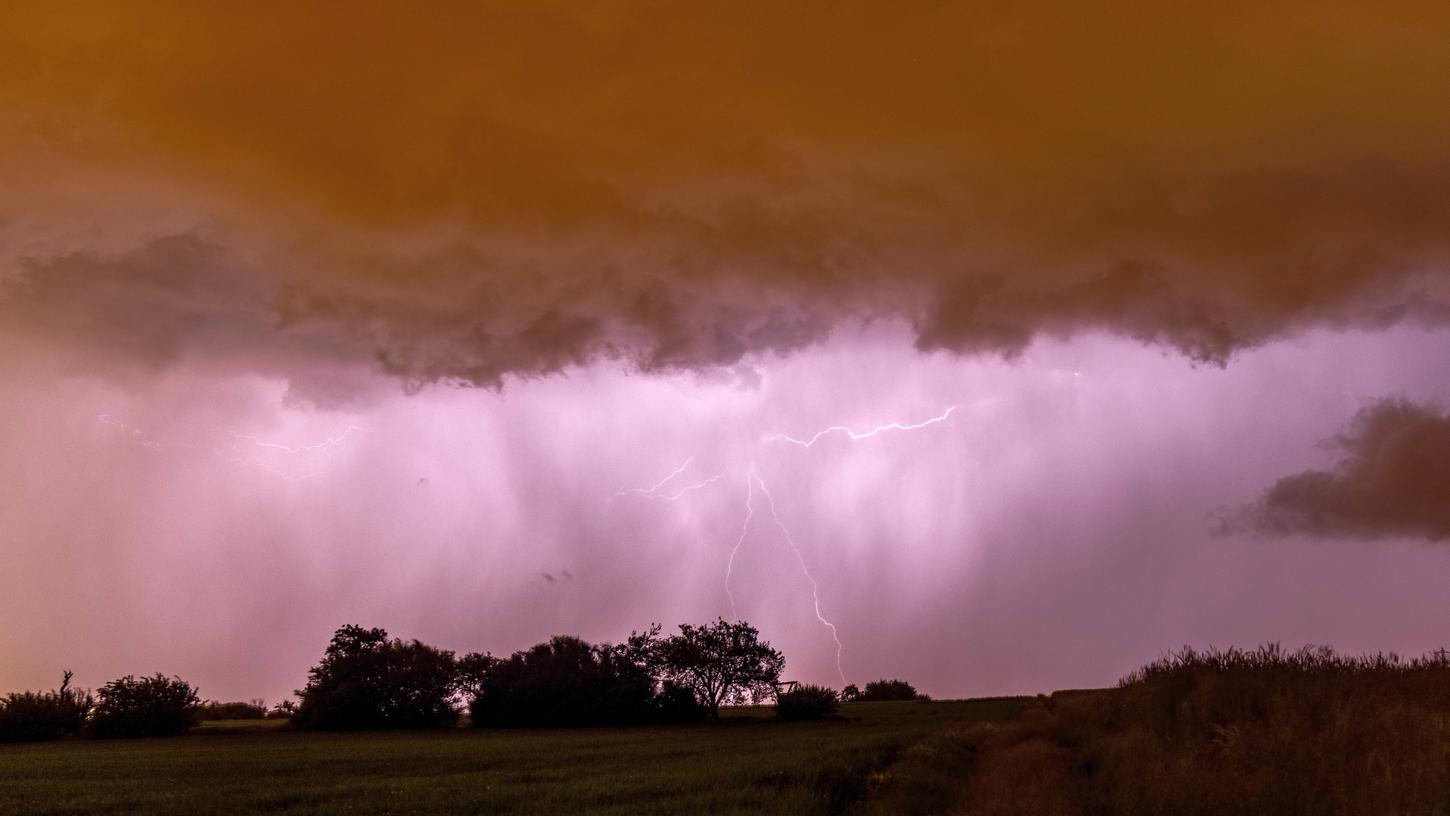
x: 745, y: 764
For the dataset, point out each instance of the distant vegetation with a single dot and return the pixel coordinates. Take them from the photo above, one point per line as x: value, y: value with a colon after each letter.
x: 806, y: 702
x: 156, y: 706
x: 1221, y: 732
x: 880, y: 691
x: 212, y: 710
x: 36, y: 716
x: 367, y: 680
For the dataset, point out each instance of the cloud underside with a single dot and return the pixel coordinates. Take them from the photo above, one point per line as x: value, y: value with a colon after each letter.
x: 1392, y: 480
x: 513, y: 190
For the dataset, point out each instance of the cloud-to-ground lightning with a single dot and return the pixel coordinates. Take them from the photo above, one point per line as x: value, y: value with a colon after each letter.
x: 752, y: 481
x: 894, y: 426
x: 744, y: 530
x: 801, y: 558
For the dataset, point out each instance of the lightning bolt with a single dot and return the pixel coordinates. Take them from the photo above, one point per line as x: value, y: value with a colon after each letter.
x: 235, y: 457
x: 136, y: 435
x: 752, y: 481
x: 800, y: 557
x: 687, y: 488
x: 894, y: 426
x: 650, y: 491
x: 744, y: 529
x: 329, y: 442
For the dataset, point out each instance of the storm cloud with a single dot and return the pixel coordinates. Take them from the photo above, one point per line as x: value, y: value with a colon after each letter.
x: 1392, y: 480
x: 493, y: 190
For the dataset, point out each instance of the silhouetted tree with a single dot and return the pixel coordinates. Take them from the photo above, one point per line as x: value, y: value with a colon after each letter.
x: 213, y: 710
x: 565, y: 682
x: 158, y: 706
x: 806, y: 702
x: 721, y: 662
x: 284, y: 710
x: 472, y: 669
x: 366, y: 680
x: 884, y: 690
x: 850, y: 693
x: 34, y: 716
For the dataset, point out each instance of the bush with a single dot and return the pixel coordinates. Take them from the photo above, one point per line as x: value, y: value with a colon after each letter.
x: 884, y: 690
x: 284, y: 710
x: 366, y: 680
x: 806, y: 702
x: 213, y: 710
x: 157, y: 706
x: 675, y: 704
x: 37, y: 716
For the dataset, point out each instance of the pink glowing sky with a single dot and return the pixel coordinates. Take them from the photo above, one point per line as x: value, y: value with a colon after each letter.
x: 394, y: 322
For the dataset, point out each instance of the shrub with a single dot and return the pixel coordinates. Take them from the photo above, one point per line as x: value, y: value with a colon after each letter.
x: 156, y: 706
x: 212, y: 710
x: 284, y: 710
x: 37, y: 716
x: 366, y: 680
x: 883, y: 690
x: 678, y: 704
x: 806, y: 702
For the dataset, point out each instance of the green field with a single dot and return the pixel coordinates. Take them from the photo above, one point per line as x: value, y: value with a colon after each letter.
x: 744, y: 764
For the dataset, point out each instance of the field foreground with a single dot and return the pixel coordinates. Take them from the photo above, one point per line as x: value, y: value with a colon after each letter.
x: 745, y: 764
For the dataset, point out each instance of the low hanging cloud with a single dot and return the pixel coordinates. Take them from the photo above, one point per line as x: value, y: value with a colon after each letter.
x: 506, y: 190
x: 1392, y: 480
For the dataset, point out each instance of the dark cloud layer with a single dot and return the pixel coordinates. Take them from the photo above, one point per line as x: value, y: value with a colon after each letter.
x: 482, y: 190
x: 1392, y: 480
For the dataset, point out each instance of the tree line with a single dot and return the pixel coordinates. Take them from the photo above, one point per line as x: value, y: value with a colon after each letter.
x: 367, y: 680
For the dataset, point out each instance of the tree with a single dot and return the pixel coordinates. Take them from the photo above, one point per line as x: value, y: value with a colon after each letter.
x: 366, y: 680
x: 721, y: 662
x: 850, y: 693
x: 158, y: 706
x: 883, y: 690
x: 564, y: 682
x: 472, y: 669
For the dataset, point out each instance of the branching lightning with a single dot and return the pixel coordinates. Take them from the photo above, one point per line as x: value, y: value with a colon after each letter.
x: 330, y: 442
x: 687, y: 488
x: 894, y: 426
x: 752, y: 481
x: 650, y: 491
x: 236, y: 456
x: 136, y: 435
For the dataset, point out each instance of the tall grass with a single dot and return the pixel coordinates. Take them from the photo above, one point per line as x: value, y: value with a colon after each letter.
x: 1262, y: 731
